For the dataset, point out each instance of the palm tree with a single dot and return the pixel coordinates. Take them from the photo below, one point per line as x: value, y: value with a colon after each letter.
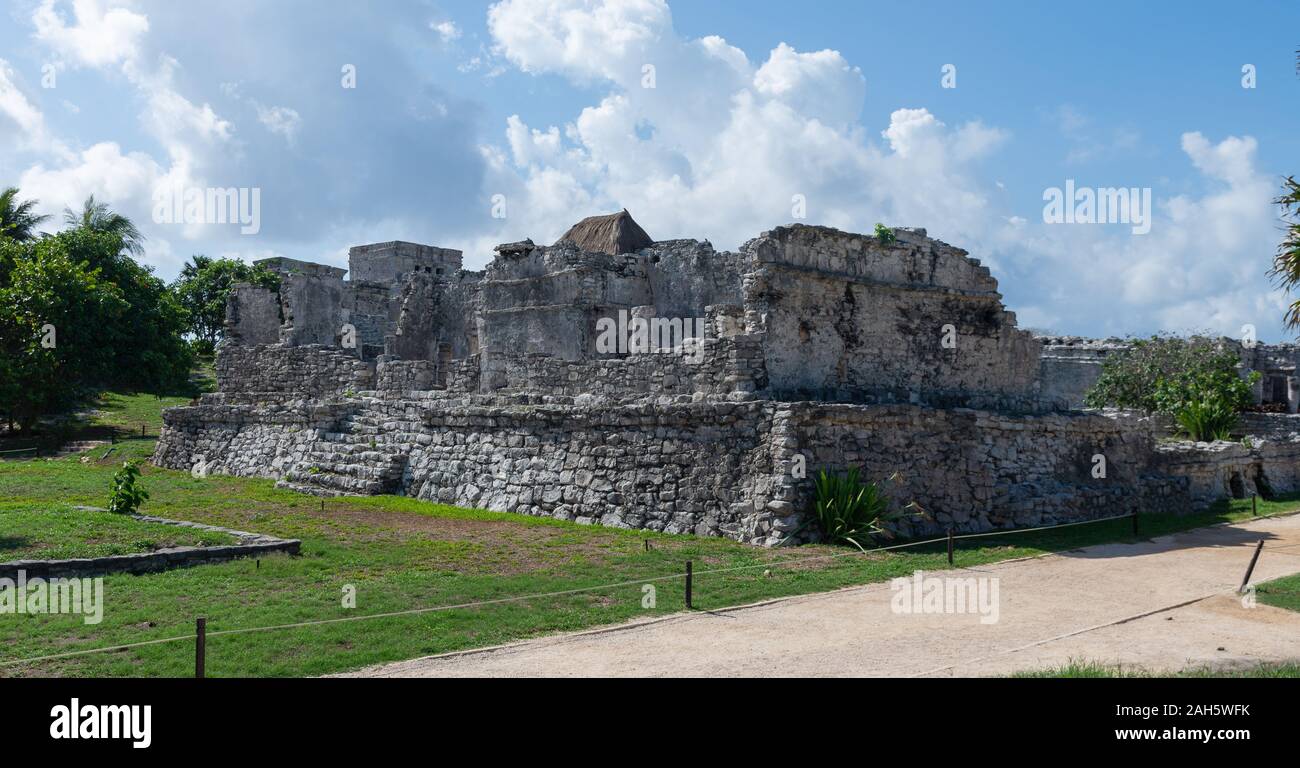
x: 98, y: 217
x: 17, y: 219
x: 1286, y: 264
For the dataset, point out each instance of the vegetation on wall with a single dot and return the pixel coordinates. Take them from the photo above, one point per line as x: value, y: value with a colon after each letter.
x: 1193, y: 379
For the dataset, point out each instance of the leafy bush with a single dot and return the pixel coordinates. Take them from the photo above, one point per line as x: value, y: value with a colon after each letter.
x: 128, y: 494
x: 850, y: 511
x: 1205, y: 403
x: 1195, y: 380
x: 884, y: 235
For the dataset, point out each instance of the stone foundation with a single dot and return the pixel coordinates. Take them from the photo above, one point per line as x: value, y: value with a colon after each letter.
x: 717, y: 467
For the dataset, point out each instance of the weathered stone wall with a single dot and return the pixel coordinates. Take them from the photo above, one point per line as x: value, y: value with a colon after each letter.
x: 405, y: 375
x: 695, y: 468
x: 978, y: 470
x: 252, y: 316
x: 850, y: 319
x: 720, y: 468
x: 1071, y: 365
x: 716, y: 367
x: 308, y: 371
x: 390, y: 262
x: 685, y: 276
x: 312, y: 308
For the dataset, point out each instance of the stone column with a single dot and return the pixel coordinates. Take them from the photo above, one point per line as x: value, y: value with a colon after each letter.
x: 1292, y: 394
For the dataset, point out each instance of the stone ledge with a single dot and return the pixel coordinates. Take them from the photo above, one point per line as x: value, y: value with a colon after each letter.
x: 250, y: 544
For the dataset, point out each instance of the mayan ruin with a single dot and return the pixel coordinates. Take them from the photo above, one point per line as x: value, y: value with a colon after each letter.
x: 664, y: 385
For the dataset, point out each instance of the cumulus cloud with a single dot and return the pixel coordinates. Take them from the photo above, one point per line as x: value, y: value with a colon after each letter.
x: 96, y: 36
x: 192, y: 103
x: 694, y: 138
x: 697, y: 140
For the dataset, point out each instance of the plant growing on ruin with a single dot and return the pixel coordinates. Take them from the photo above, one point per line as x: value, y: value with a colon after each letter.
x: 1205, y: 403
x: 1195, y: 380
x: 850, y: 511
x: 128, y: 494
x: 884, y: 235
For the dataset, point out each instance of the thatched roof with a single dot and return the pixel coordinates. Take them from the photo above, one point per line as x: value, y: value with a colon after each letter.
x: 613, y: 234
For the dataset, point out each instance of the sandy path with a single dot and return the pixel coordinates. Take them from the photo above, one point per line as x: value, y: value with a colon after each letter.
x: 1162, y: 604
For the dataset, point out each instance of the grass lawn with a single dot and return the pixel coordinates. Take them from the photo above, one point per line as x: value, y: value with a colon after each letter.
x: 400, y: 553
x: 1094, y: 669
x: 1283, y: 592
x: 59, y: 531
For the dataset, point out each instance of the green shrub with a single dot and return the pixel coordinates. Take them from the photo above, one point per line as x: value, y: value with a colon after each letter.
x: 1195, y: 380
x: 128, y: 494
x: 850, y: 511
x: 1204, y: 403
x: 884, y: 235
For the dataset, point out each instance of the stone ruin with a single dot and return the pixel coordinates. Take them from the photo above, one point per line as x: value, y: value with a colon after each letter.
x: 610, y: 378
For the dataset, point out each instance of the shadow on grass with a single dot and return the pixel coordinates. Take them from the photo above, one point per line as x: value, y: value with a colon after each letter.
x: 13, y: 542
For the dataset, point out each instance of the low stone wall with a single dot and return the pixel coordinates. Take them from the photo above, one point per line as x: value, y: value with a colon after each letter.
x: 719, y: 467
x: 405, y: 375
x: 700, y: 468
x: 976, y: 470
x: 307, y: 371
x: 250, y: 545
x: 243, y: 439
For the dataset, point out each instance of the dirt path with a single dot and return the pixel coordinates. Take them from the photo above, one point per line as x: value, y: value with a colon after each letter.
x: 1163, y: 604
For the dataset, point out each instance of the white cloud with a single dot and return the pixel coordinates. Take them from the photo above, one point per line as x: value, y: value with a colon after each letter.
x: 24, y: 115
x: 97, y: 37
x: 719, y: 146
x: 582, y: 38
x: 281, y: 120
x: 820, y: 85
x: 447, y: 30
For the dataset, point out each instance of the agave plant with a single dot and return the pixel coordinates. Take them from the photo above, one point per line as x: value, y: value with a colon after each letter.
x: 850, y: 511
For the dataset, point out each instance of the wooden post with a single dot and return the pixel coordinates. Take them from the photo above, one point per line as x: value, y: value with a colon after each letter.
x: 200, y: 646
x: 688, y: 584
x: 949, y: 546
x: 1254, y: 510
x: 1251, y: 568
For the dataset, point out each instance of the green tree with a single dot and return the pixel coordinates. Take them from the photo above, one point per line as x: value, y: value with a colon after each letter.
x: 99, y: 217
x: 203, y: 287
x: 1286, y: 264
x: 18, y: 219
x: 56, y: 323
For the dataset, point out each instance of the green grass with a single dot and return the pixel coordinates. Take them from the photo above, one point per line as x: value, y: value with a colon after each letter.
x: 60, y: 531
x: 1282, y: 593
x: 400, y: 553
x: 1095, y: 669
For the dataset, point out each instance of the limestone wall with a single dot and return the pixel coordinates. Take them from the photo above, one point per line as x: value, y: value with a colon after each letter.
x: 718, y: 367
x: 721, y: 468
x: 252, y: 316
x: 977, y: 470
x: 850, y: 319
x: 292, y: 372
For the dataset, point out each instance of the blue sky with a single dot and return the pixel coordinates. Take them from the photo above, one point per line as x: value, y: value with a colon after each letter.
x: 545, y: 104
